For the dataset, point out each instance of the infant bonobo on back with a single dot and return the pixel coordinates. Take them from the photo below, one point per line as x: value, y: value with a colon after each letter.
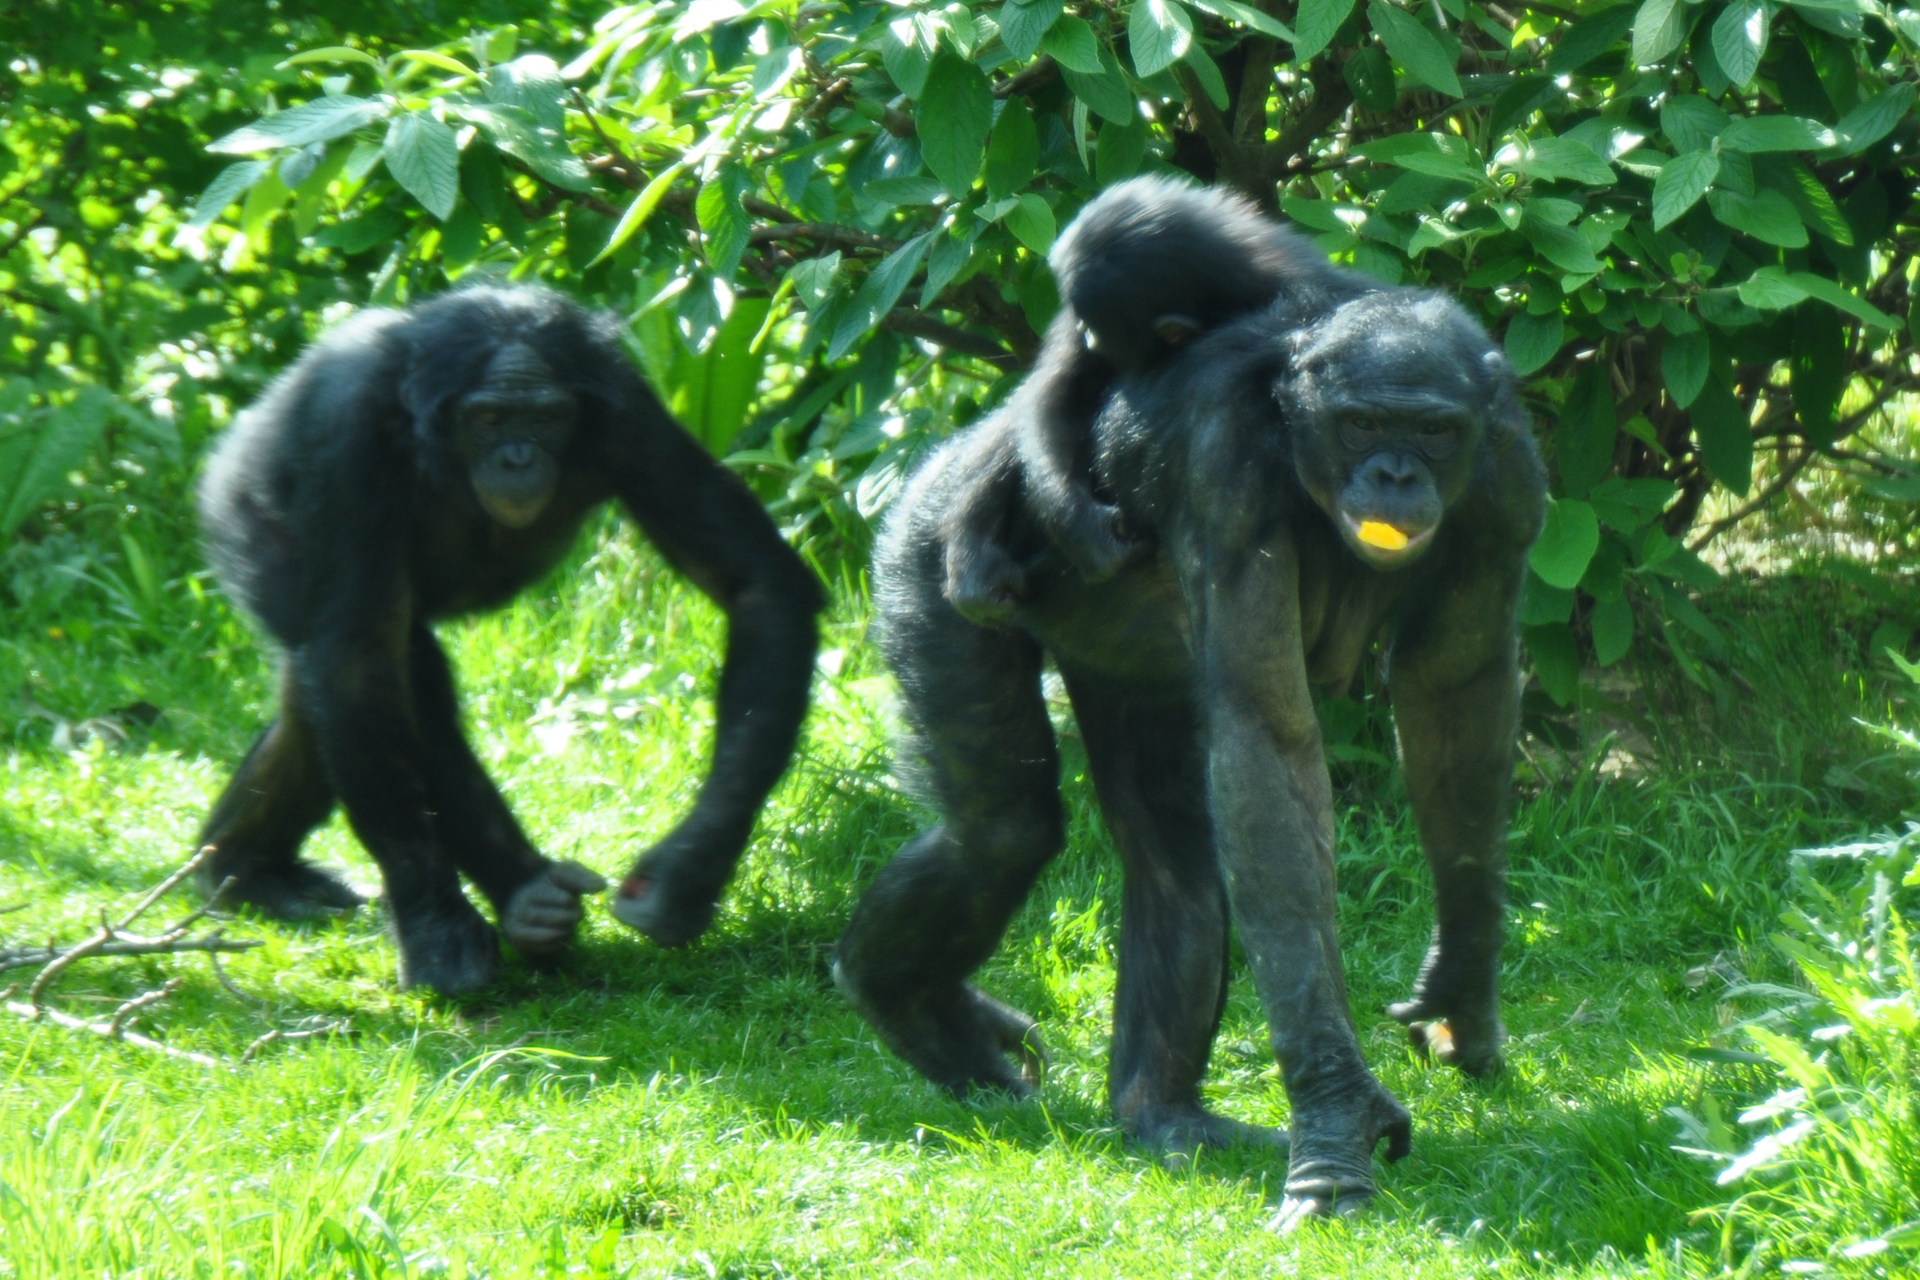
x: 1147, y: 266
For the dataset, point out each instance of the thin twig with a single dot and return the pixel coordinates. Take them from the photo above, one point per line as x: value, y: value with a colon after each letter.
x: 160, y: 890
x: 125, y: 944
x: 282, y: 1037
x: 35, y: 1014
x: 118, y: 1025
x: 1759, y: 500
x: 220, y: 973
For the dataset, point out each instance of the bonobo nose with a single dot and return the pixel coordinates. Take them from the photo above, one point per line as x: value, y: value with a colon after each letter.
x: 516, y: 454
x: 1392, y: 469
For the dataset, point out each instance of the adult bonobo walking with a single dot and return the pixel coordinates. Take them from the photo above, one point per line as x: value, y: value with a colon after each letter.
x: 1349, y: 463
x: 419, y: 465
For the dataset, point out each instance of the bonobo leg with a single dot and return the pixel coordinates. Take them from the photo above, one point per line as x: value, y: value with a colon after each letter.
x: 279, y: 794
x: 1150, y: 772
x: 1456, y: 742
x: 537, y: 901
x: 938, y: 910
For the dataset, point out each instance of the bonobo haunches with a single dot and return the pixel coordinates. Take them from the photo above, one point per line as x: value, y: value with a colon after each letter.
x: 1346, y: 464
x: 419, y: 465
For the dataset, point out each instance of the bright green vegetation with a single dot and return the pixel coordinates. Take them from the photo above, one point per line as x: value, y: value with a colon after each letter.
x: 720, y: 1112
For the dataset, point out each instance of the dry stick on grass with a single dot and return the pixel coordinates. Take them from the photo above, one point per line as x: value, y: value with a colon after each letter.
x: 113, y: 940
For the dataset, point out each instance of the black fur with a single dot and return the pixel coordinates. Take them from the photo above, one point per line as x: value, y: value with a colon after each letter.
x: 1262, y: 458
x: 418, y: 465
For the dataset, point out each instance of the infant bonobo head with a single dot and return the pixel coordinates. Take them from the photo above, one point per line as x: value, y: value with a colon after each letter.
x: 509, y: 431
x: 1389, y: 397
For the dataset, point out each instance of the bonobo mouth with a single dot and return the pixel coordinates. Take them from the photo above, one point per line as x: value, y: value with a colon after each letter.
x: 1385, y: 545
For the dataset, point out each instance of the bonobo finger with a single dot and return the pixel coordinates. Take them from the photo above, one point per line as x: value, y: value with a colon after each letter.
x: 1399, y: 1138
x: 574, y: 878
x: 1320, y: 1198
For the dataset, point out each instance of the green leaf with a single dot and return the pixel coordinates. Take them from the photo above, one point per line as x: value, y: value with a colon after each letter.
x: 1683, y: 365
x: 1532, y: 341
x: 1612, y: 623
x: 1740, y: 39
x: 1071, y: 43
x: 1014, y: 150
x: 1315, y: 24
x: 1725, y: 437
x: 316, y: 121
x: 713, y: 390
x: 1562, y: 246
x: 881, y: 289
x: 1771, y: 288
x: 516, y: 132
x: 1023, y: 25
x: 1551, y: 159
x: 723, y: 218
x: 38, y: 456
x: 1765, y: 215
x: 1414, y: 47
x: 1159, y: 33
x: 1775, y: 133
x: 1369, y: 74
x: 906, y: 59
x: 1247, y: 16
x: 1031, y: 221
x: 1681, y: 183
x: 1873, y: 119
x: 1107, y: 92
x: 1567, y: 542
x: 950, y: 254
x: 954, y: 113
x: 1588, y: 38
x: 1658, y: 28
x: 333, y: 53
x: 1556, y: 660
x: 1207, y: 72
x: 813, y: 278
x: 642, y: 208
x: 1791, y: 177
x: 1691, y: 123
x: 1120, y: 150
x: 423, y: 157
x: 1818, y: 370
x: 1438, y: 155
x: 229, y: 185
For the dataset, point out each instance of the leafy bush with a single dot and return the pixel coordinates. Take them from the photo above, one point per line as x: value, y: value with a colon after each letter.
x: 1692, y: 223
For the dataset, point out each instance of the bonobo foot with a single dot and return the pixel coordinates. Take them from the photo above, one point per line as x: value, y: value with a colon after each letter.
x: 1182, y: 1130
x: 1462, y: 1033
x: 670, y: 909
x: 1099, y: 541
x: 959, y: 1038
x: 295, y: 890
x: 984, y: 584
x: 543, y: 913
x: 1330, y: 1167
x: 446, y: 946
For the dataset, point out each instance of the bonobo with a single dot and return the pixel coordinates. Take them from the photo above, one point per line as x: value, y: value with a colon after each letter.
x: 1142, y: 271
x: 419, y: 465
x: 1343, y: 466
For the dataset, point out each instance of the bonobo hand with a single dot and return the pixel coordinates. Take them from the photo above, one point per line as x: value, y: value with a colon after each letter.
x: 984, y: 584
x: 543, y: 913
x: 1099, y: 541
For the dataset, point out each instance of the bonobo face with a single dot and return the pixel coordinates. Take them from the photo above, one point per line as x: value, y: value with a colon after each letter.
x: 1388, y: 399
x: 509, y: 433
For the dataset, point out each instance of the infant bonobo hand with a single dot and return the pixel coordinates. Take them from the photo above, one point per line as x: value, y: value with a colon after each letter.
x: 984, y: 584
x: 544, y: 912
x: 1099, y: 540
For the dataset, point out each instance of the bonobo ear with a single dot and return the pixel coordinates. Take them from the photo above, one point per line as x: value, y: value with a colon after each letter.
x: 1506, y: 412
x: 1176, y: 330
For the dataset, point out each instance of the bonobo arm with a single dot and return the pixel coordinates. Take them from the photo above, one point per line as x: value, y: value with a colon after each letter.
x: 1454, y: 679
x: 1273, y: 814
x: 711, y: 527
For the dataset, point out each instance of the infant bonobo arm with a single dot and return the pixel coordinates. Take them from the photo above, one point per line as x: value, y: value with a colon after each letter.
x: 1272, y: 803
x: 709, y: 525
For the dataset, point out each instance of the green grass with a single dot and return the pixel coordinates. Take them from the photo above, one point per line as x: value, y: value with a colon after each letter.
x: 720, y: 1112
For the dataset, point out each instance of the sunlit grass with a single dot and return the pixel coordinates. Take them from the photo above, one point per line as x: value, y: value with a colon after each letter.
x: 720, y: 1112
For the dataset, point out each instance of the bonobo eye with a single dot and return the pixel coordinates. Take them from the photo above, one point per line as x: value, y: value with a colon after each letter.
x: 1435, y: 427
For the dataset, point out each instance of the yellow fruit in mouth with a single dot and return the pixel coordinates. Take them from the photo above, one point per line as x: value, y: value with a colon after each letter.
x: 1384, y: 536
